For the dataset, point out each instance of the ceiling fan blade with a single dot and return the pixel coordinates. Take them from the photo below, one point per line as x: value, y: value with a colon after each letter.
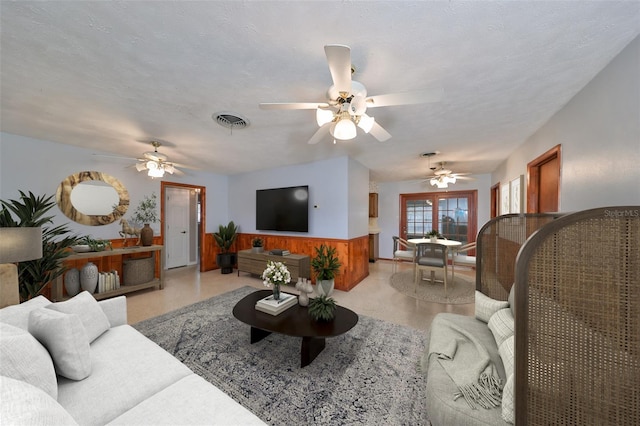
x: 293, y: 105
x: 320, y: 133
x: 379, y: 133
x: 339, y: 60
x: 405, y: 98
x: 119, y: 157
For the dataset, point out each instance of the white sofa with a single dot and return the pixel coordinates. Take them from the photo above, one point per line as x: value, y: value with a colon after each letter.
x: 78, y: 362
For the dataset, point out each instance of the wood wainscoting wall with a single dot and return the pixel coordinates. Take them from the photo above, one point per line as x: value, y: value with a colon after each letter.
x: 353, y: 253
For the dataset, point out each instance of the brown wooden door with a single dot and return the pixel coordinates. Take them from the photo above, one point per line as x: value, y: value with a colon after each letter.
x: 543, y: 187
x: 495, y: 200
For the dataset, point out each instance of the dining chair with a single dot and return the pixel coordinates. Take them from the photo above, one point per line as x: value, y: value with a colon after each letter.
x: 431, y: 257
x: 402, y: 250
x: 459, y: 257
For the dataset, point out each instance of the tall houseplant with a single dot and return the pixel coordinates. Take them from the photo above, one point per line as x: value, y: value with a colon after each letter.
x: 225, y: 237
x: 326, y: 266
x: 30, y: 211
x: 145, y: 214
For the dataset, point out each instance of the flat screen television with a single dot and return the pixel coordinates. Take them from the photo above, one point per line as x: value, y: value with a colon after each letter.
x: 283, y: 209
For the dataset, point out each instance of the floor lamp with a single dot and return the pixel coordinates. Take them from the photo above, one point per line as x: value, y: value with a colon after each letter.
x: 16, y: 245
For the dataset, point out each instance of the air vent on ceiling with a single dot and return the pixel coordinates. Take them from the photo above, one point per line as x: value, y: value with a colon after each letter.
x: 230, y: 120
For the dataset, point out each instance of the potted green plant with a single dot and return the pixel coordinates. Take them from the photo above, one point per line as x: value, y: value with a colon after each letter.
x: 93, y: 244
x: 225, y: 237
x: 433, y: 235
x: 145, y: 214
x: 256, y: 245
x: 322, y: 308
x: 30, y: 211
x: 326, y: 266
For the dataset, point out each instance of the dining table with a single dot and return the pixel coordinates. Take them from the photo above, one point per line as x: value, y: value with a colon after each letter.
x: 449, y: 244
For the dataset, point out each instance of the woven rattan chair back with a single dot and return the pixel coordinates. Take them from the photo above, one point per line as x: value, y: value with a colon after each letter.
x: 578, y: 321
x: 497, y: 246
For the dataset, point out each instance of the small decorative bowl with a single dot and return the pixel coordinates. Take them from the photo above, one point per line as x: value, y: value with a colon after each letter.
x: 81, y: 248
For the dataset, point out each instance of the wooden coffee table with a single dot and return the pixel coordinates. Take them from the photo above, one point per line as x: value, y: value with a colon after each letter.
x: 295, y: 322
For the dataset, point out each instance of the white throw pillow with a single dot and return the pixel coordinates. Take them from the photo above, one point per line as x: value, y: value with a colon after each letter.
x: 507, y: 354
x: 84, y: 305
x: 65, y: 338
x: 508, y: 401
x: 486, y: 306
x: 22, y: 357
x: 24, y: 404
x: 18, y: 315
x: 501, y: 325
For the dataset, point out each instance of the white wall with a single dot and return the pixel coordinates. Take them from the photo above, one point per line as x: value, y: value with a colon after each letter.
x: 39, y: 166
x: 331, y: 182
x: 599, y: 131
x: 389, y: 205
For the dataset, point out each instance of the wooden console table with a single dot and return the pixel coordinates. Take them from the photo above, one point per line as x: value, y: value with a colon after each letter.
x: 255, y: 263
x: 57, y: 292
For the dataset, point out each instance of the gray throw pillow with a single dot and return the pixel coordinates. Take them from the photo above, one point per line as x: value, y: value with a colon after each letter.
x: 84, y: 305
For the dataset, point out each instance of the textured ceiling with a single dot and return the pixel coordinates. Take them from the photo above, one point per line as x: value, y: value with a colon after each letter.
x: 111, y: 76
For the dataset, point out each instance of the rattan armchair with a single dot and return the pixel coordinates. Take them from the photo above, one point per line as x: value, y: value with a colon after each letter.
x: 497, y: 246
x: 577, y: 316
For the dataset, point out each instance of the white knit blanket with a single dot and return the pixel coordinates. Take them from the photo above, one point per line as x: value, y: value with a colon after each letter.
x: 468, y: 364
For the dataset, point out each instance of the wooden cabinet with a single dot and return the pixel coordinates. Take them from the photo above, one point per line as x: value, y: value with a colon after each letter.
x: 57, y: 292
x: 255, y: 263
x: 373, y: 204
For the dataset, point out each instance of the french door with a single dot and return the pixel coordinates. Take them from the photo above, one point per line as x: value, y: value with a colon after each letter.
x: 453, y: 214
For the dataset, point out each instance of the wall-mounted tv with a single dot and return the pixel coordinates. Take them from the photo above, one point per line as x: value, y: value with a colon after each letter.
x: 283, y: 209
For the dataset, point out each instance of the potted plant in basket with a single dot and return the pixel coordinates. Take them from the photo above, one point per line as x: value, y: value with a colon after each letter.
x: 225, y: 237
x: 326, y: 266
x: 145, y: 214
x: 256, y: 245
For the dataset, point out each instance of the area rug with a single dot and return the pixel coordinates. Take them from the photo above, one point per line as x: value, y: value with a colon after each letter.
x: 461, y: 290
x: 369, y: 375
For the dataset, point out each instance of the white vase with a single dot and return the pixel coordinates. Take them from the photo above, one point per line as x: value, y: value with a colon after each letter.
x: 72, y: 282
x: 324, y: 287
x: 89, y: 277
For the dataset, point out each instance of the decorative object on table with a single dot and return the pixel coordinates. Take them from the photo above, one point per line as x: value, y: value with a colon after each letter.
x: 433, y: 235
x: 271, y: 306
x: 305, y: 288
x: 72, y: 282
x: 326, y: 266
x: 256, y: 245
x: 92, y: 243
x: 276, y: 274
x: 225, y: 237
x: 128, y: 231
x: 145, y: 214
x: 31, y: 212
x: 89, y: 277
x: 322, y: 308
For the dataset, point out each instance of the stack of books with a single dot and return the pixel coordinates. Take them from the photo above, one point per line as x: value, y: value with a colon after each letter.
x: 271, y: 306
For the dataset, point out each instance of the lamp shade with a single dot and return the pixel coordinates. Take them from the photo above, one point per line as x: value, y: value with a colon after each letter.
x: 20, y: 244
x: 345, y: 129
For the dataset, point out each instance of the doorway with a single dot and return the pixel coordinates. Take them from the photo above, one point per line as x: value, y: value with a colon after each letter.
x: 543, y: 186
x: 453, y: 214
x: 183, y: 223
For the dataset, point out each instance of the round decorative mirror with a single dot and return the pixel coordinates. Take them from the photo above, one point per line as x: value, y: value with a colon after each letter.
x: 92, y: 198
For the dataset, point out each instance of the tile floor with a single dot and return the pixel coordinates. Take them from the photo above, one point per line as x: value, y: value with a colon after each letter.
x: 373, y: 296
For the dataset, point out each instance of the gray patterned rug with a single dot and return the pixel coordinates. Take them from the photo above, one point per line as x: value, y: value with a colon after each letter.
x: 461, y: 290
x: 367, y: 376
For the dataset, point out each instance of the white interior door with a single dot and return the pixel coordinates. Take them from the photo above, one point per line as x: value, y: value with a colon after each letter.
x: 176, y: 227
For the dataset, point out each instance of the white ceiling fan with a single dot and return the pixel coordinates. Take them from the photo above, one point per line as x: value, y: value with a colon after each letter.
x: 347, y: 101
x: 443, y: 177
x: 156, y: 163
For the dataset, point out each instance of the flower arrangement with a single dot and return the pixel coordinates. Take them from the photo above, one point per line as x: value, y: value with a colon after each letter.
x: 275, y: 275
